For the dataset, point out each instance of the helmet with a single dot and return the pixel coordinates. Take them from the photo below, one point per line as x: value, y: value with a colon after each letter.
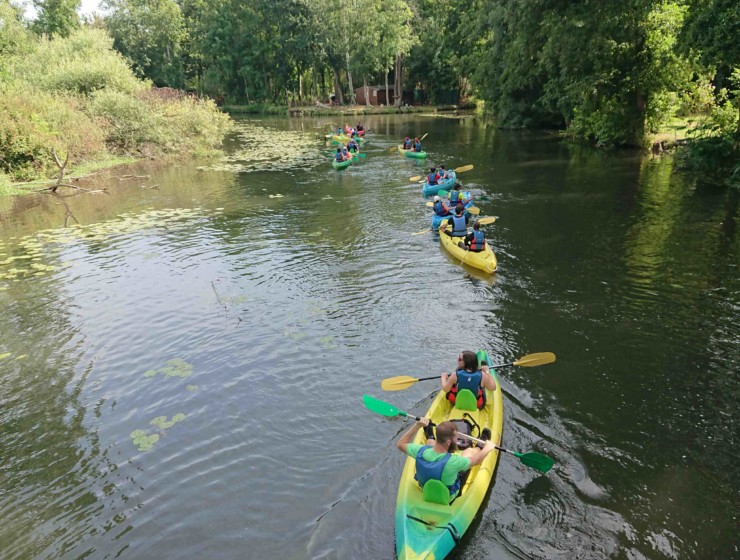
x: 436, y: 198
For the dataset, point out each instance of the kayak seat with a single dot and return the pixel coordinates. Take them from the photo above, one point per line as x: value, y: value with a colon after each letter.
x: 436, y: 492
x: 466, y: 400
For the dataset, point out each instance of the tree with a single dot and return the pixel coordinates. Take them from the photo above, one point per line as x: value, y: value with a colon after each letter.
x: 149, y: 33
x: 56, y: 17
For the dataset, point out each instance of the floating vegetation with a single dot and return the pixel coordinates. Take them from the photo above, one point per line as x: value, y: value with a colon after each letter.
x: 276, y: 195
x: 24, y: 259
x: 144, y: 440
x: 263, y: 149
x: 327, y: 342
x: 5, y: 355
x: 172, y: 368
x: 192, y: 388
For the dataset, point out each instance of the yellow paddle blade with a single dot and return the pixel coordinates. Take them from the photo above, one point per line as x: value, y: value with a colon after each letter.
x: 415, y: 178
x: 422, y: 138
x: 422, y: 231
x: 430, y: 203
x: 537, y: 359
x: 463, y: 169
x: 397, y: 383
x: 487, y: 220
x: 474, y: 210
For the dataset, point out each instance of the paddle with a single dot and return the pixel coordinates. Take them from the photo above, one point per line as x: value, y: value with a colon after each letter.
x: 483, y: 221
x: 471, y: 210
x: 537, y: 461
x: 401, y: 382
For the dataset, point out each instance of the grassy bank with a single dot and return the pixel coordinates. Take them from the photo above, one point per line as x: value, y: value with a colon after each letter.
x: 75, y: 102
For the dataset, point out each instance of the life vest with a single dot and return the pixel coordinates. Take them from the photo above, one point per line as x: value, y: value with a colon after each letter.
x: 432, y: 470
x: 454, y: 197
x: 470, y: 381
x: 417, y: 147
x: 459, y: 227
x: 338, y: 157
x: 440, y: 210
x: 407, y: 144
x: 432, y: 178
x: 478, y: 242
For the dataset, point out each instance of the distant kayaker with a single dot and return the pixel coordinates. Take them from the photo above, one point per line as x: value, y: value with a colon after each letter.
x: 407, y: 143
x: 352, y: 145
x: 440, y: 208
x: 442, y: 172
x: 417, y: 145
x: 345, y: 154
x: 338, y: 156
x: 359, y: 128
x: 433, y: 176
x: 468, y: 376
x: 475, y: 241
x: 438, y: 459
x: 459, y: 223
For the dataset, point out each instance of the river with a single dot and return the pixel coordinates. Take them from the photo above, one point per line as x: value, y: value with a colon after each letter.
x: 182, y: 365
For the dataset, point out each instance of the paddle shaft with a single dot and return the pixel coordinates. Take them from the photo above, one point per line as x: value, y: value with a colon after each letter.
x: 437, y: 376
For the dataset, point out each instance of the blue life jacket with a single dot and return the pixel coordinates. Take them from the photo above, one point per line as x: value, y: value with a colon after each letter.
x: 440, y: 210
x: 338, y: 156
x: 432, y: 179
x: 417, y: 147
x: 468, y: 380
x: 407, y: 144
x: 478, y: 242
x: 454, y: 197
x: 432, y: 470
x: 459, y: 227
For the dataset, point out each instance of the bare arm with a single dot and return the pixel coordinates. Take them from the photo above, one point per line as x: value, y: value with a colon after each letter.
x: 487, y: 380
x: 406, y: 438
x: 476, y: 455
x: 448, y: 380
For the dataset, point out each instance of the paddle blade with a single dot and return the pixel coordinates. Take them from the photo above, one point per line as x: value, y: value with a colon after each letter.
x: 363, y: 156
x: 487, y: 220
x: 398, y: 383
x: 463, y: 169
x: 474, y: 210
x: 430, y: 204
x: 537, y: 461
x: 538, y: 359
x: 380, y: 407
x: 422, y: 138
x: 416, y: 178
x: 443, y: 193
x: 422, y: 231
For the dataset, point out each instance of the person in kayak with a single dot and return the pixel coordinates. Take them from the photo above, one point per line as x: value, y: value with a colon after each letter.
x: 417, y: 145
x: 407, y: 143
x: 352, y: 145
x: 359, y: 127
x: 455, y: 197
x: 459, y: 223
x: 338, y: 156
x: 345, y: 154
x: 440, y: 208
x: 442, y: 172
x: 433, y: 176
x: 468, y: 376
x: 438, y: 459
x: 475, y: 241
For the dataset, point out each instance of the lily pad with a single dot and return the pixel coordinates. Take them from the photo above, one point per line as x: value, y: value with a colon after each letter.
x: 5, y: 355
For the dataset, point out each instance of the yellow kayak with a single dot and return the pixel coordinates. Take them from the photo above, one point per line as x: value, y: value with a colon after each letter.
x: 484, y: 260
x: 430, y: 530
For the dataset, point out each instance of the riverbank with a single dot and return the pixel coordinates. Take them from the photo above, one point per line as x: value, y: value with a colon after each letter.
x: 340, y: 110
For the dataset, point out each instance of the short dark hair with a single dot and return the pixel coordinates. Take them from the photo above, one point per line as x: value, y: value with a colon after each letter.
x: 446, y: 432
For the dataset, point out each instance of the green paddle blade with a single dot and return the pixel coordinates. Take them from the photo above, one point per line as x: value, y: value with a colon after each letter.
x: 443, y: 193
x: 537, y: 461
x: 380, y: 407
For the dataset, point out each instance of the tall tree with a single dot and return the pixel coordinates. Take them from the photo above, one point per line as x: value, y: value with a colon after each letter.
x: 56, y: 17
x: 149, y: 33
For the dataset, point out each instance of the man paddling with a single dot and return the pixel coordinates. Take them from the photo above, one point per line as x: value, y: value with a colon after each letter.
x: 459, y: 223
x: 438, y: 459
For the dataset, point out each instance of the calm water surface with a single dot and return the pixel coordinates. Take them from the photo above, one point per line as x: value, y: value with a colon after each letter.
x: 181, y: 367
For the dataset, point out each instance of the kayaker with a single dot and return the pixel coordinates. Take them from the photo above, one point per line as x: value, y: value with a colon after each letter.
x: 352, y: 145
x: 433, y: 176
x: 455, y: 197
x: 440, y: 208
x: 359, y: 128
x: 338, y: 156
x: 407, y: 143
x: 468, y: 376
x: 459, y: 223
x: 438, y: 460
x: 345, y: 154
x: 475, y: 241
x: 442, y: 172
x: 417, y: 145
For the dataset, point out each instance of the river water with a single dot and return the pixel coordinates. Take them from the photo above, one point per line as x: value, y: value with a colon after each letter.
x: 182, y: 365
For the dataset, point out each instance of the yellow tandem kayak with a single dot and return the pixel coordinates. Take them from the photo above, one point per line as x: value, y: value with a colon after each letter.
x: 484, y: 260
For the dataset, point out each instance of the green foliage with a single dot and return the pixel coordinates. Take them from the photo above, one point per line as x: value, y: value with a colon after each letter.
x: 150, y: 35
x: 56, y: 17
x: 82, y: 63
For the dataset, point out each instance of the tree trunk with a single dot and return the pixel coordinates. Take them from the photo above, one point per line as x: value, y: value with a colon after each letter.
x: 397, y: 84
x: 349, y: 80
x: 337, y: 87
x: 387, y: 99
x: 300, y: 87
x: 367, y: 91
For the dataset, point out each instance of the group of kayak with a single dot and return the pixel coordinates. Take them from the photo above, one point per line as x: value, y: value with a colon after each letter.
x: 453, y: 209
x: 348, y: 150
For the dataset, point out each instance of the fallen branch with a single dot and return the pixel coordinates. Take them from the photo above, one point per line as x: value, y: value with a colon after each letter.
x: 125, y: 177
